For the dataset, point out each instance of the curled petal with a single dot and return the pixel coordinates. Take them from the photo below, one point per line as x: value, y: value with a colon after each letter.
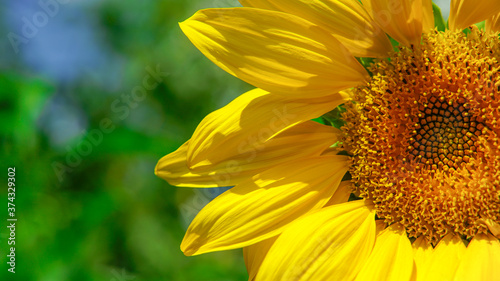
x: 241, y: 128
x: 301, y: 140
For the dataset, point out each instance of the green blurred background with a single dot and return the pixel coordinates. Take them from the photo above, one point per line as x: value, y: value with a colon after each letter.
x: 84, y: 121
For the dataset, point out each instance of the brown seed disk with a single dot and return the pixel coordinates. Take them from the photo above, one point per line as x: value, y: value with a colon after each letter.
x: 424, y: 135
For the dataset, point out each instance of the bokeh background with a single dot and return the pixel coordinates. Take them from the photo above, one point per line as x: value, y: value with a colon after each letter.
x: 92, y: 94
x: 84, y: 131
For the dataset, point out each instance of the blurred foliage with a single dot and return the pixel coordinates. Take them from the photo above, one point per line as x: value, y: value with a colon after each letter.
x: 90, y: 207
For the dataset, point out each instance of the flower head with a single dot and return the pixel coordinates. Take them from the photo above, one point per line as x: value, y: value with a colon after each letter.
x: 402, y: 182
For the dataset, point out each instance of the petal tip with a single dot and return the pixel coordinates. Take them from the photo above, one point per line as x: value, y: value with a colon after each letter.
x: 188, y: 247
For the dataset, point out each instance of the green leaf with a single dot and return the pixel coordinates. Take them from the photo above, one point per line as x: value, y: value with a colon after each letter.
x: 481, y: 25
x: 438, y: 18
x: 366, y: 63
x: 394, y: 43
x: 334, y: 117
x: 320, y: 120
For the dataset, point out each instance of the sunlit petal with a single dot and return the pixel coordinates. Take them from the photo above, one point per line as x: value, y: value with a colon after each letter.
x: 261, y: 207
x: 334, y: 241
x: 402, y: 20
x: 481, y: 260
x: 274, y: 51
x: 464, y: 13
x: 347, y: 20
x: 241, y: 128
x: 391, y: 258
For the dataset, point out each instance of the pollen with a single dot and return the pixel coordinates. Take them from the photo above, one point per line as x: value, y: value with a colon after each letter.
x: 424, y: 135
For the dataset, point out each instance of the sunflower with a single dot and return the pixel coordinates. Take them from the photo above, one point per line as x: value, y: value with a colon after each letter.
x: 400, y: 180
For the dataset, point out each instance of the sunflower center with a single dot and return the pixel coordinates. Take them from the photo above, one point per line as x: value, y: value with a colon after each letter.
x: 424, y: 136
x: 445, y: 136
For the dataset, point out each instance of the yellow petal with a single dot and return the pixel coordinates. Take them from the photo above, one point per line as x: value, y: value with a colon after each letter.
x: 173, y: 168
x: 241, y: 128
x: 428, y: 16
x: 391, y: 258
x: 464, y: 13
x: 274, y: 51
x: 402, y: 20
x: 332, y: 242
x: 445, y: 258
x: 342, y: 194
x: 422, y: 254
x: 492, y: 24
x: 298, y: 141
x: 347, y: 20
x: 255, y: 254
x: 481, y: 260
x: 261, y: 207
